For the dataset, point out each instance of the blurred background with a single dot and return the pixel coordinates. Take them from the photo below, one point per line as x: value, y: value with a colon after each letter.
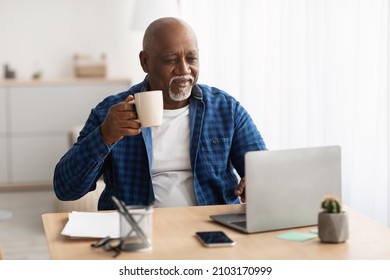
x: 310, y: 73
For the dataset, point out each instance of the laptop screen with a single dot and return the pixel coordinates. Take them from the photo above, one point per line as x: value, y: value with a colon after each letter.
x: 284, y: 188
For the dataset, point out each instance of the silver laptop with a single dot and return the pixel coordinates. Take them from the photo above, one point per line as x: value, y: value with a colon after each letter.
x: 284, y: 188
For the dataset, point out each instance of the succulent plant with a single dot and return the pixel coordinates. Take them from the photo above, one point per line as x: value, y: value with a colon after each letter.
x: 331, y: 204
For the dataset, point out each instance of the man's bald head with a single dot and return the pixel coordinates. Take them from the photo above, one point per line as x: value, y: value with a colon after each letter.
x: 160, y: 27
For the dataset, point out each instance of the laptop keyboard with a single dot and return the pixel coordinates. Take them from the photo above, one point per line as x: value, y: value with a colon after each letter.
x: 241, y: 224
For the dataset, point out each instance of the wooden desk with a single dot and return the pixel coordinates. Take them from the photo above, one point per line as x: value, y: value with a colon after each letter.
x: 173, y: 238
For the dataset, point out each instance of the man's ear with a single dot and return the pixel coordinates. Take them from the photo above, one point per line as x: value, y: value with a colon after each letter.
x: 144, y: 60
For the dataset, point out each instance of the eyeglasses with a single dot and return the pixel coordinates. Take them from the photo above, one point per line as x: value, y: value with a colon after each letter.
x: 110, y: 244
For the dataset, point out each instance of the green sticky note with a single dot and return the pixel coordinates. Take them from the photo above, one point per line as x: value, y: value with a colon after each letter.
x: 314, y: 230
x: 297, y: 236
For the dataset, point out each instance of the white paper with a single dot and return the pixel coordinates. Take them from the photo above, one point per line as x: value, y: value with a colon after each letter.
x: 92, y: 225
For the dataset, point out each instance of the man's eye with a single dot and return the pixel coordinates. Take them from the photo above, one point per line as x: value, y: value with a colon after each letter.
x: 170, y: 61
x: 192, y: 59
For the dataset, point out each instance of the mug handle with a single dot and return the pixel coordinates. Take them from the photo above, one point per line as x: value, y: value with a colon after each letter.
x: 133, y: 102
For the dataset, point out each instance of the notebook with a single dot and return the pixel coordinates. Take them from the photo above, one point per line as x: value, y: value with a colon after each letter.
x: 285, y: 188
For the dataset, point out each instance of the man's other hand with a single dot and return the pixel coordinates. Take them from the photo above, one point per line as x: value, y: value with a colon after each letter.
x: 240, y: 190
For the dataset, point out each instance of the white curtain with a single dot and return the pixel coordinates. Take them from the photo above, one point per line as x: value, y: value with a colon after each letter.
x: 310, y: 72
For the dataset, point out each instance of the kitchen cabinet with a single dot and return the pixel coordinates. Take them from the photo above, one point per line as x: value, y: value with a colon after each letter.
x: 3, y: 138
x: 3, y: 127
x: 3, y: 161
x: 37, y: 118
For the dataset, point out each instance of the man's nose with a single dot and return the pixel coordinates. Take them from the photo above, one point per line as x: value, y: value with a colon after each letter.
x: 182, y: 67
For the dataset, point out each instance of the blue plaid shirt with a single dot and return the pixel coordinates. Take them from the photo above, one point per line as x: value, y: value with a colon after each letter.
x: 221, y: 133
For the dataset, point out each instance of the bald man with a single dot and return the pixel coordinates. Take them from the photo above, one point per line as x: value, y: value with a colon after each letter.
x: 191, y: 159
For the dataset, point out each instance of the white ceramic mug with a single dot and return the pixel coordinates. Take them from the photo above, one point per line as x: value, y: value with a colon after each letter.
x: 149, y: 106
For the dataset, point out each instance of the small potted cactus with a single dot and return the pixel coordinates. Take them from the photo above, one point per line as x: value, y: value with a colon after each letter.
x: 332, y: 221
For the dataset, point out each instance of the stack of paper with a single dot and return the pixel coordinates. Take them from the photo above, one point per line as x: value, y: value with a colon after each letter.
x: 92, y: 225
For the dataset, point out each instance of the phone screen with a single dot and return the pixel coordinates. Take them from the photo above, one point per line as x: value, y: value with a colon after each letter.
x: 214, y: 238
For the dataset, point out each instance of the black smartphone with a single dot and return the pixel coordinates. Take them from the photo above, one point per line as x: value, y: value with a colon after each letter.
x: 214, y: 238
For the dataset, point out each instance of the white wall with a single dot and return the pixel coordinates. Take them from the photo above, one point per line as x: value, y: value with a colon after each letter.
x: 50, y: 32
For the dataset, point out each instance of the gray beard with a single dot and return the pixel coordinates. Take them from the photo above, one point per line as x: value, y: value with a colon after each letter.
x: 182, y: 95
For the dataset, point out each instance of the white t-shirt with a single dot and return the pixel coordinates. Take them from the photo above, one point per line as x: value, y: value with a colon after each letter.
x: 172, y: 176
